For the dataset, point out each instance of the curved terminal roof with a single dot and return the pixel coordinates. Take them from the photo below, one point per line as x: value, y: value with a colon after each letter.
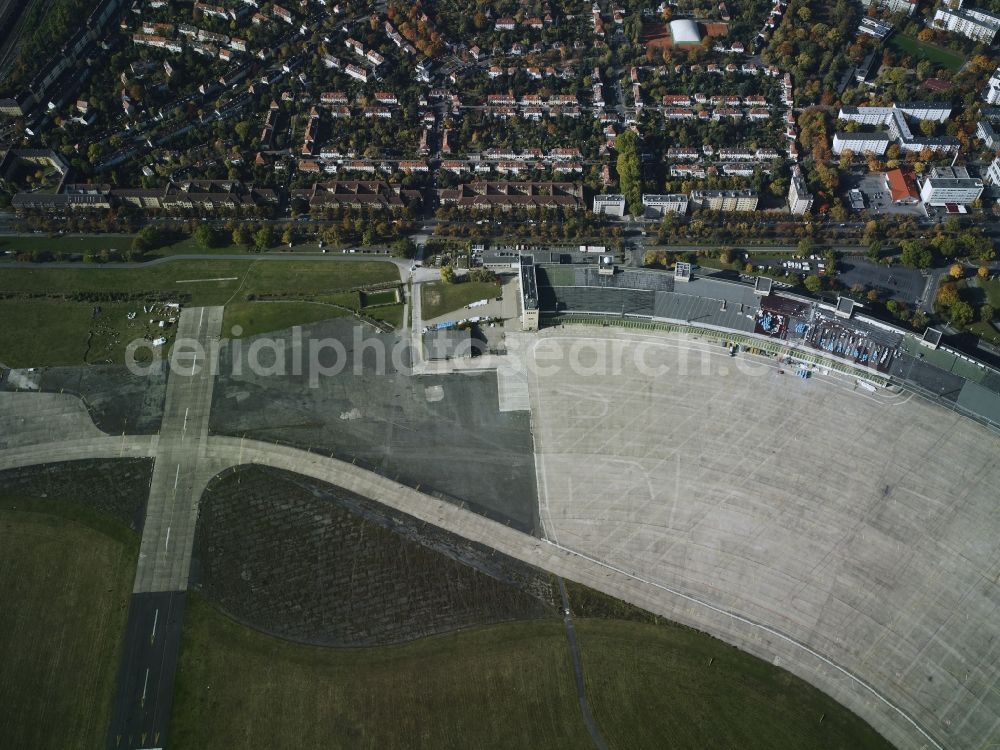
x: 685, y: 31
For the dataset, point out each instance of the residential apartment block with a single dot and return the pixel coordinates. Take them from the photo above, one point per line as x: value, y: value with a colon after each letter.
x: 724, y: 200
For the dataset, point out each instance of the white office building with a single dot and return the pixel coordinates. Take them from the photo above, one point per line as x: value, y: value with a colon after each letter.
x: 610, y: 204
x: 658, y: 206
x: 950, y: 185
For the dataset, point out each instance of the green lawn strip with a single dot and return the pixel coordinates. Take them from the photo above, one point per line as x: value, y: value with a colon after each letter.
x: 66, y: 574
x: 440, y: 297
x: 507, y: 686
x: 648, y: 682
x: 208, y: 282
x: 912, y: 46
x: 986, y: 332
x: 992, y: 289
x: 391, y: 314
x: 263, y: 317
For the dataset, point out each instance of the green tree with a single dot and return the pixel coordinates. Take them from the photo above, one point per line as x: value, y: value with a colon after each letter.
x: 205, y: 236
x: 961, y: 314
x: 986, y: 313
x: 448, y: 274
x: 368, y: 237
x: 241, y: 235
x: 813, y: 283
x: 404, y: 248
x: 288, y: 236
x: 264, y: 238
x: 874, y: 251
x: 629, y: 171
x: 916, y: 253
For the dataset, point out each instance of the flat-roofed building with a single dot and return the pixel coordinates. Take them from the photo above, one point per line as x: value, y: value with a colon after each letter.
x: 725, y: 200
x: 950, y: 185
x: 611, y: 204
x: 972, y: 23
x: 657, y: 206
x: 800, y: 200
x: 861, y: 143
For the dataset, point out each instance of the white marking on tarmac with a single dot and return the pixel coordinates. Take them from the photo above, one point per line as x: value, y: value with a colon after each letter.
x: 184, y: 428
x: 167, y: 540
x: 144, y: 686
x: 156, y: 616
x: 198, y: 281
x: 177, y: 476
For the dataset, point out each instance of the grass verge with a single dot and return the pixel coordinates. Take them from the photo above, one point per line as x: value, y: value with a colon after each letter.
x: 66, y: 573
x: 439, y: 297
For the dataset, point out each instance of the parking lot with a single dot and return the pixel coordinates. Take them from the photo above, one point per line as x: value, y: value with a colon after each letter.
x: 878, y: 200
x: 895, y: 282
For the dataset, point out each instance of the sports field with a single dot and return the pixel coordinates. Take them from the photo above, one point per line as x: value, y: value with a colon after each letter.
x: 909, y: 45
x: 65, y: 578
x: 503, y: 686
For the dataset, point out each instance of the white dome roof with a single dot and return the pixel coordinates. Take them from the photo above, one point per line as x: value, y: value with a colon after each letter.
x: 684, y: 31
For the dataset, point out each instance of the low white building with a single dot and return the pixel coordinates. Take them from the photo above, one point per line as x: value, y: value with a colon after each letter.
x: 610, y: 204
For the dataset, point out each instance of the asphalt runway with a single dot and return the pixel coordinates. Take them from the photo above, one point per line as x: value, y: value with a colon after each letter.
x: 148, y: 668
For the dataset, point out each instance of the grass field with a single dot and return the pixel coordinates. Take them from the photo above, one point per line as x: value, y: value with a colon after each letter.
x: 504, y: 686
x: 209, y: 282
x: 439, y: 297
x: 263, y: 317
x: 648, y: 682
x: 66, y: 573
x: 919, y: 51
x: 509, y: 686
x: 66, y: 332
